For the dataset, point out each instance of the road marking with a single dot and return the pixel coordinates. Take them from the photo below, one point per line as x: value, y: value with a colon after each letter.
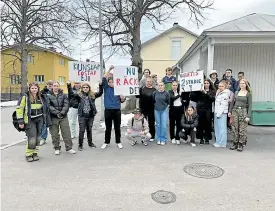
x: 12, y: 144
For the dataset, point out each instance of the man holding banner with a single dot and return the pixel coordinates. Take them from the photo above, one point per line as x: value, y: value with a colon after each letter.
x: 112, y: 113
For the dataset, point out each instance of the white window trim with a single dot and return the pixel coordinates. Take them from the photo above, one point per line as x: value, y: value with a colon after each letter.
x: 60, y: 81
x: 31, y: 60
x: 14, y: 79
x: 171, y: 43
x: 61, y: 61
x: 39, y: 77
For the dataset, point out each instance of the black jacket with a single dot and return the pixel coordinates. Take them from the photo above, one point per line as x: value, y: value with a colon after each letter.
x: 205, y: 100
x: 146, y: 103
x: 58, y: 104
x: 184, y: 96
x: 79, y: 99
x: 189, y: 123
x: 72, y: 101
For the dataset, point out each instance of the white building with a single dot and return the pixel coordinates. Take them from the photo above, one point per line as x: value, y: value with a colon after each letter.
x: 246, y: 44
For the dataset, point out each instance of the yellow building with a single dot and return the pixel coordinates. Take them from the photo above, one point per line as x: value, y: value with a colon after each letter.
x: 43, y: 64
x: 166, y: 49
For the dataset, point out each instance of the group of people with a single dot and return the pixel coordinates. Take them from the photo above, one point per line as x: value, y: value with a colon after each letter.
x: 188, y: 113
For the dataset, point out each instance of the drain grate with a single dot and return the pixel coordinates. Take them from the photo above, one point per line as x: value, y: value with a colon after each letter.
x: 164, y: 197
x: 203, y: 170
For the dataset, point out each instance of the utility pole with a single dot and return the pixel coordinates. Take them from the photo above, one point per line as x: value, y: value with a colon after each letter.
x: 101, y: 60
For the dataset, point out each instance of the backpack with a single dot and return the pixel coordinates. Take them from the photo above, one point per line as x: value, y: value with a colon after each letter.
x: 15, y: 121
x: 142, y: 120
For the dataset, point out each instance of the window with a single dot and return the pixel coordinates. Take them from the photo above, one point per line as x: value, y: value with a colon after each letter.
x: 30, y: 58
x: 62, y: 80
x: 176, y: 49
x: 15, y: 79
x: 39, y: 79
x: 62, y: 62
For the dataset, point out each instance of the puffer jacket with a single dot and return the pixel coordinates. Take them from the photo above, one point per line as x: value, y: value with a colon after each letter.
x: 58, y: 103
x: 222, y: 102
x: 137, y: 125
x: 189, y: 122
x: 72, y: 101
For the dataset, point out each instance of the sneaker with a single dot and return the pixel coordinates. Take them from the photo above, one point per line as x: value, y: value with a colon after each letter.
x: 216, y: 145
x: 178, y: 142
x: 72, y: 151
x: 206, y: 142
x: 57, y: 152
x: 42, y: 142
x: 29, y: 158
x: 173, y: 141
x: 193, y: 144
x: 35, y: 157
x: 144, y: 142
x: 134, y: 143
x: 184, y: 141
x: 104, y: 146
x: 119, y: 146
x: 92, y: 145
x: 202, y: 142
x: 158, y: 142
x: 80, y: 148
x: 162, y: 143
x: 151, y: 140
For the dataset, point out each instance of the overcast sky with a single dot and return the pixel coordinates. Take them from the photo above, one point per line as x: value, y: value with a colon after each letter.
x: 223, y: 11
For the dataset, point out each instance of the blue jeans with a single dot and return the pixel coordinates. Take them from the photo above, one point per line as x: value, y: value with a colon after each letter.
x: 161, y: 125
x: 220, y: 125
x: 44, y: 132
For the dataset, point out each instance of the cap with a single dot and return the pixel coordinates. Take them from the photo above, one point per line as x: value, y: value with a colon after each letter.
x: 212, y: 72
x: 137, y: 111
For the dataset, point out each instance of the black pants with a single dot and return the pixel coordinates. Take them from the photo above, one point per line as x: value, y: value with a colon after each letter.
x: 85, y: 123
x: 33, y: 131
x: 149, y: 115
x: 188, y: 131
x: 204, y: 128
x: 175, y: 114
x: 110, y: 116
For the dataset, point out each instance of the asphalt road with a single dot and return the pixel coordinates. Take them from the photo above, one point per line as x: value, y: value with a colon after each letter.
x: 123, y: 180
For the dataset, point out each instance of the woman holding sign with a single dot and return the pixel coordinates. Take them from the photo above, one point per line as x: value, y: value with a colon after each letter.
x: 161, y: 100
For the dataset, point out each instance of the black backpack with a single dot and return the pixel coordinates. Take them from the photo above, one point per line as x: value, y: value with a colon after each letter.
x: 16, y: 123
x: 142, y: 120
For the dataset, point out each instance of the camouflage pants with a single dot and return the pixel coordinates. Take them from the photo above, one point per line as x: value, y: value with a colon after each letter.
x: 239, y: 125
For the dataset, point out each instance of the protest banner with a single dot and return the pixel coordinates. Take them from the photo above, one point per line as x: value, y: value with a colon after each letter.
x: 126, y: 80
x: 84, y: 71
x: 191, y: 81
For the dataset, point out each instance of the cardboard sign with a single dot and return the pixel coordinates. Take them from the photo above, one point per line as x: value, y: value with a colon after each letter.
x: 191, y: 81
x: 126, y: 80
x: 84, y: 72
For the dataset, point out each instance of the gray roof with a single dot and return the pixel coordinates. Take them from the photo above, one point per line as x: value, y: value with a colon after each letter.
x: 176, y: 26
x: 250, y: 23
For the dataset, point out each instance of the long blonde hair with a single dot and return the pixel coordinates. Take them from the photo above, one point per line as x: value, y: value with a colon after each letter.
x: 91, y: 94
x: 246, y: 83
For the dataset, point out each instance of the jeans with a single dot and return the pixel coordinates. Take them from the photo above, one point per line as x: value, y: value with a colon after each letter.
x: 85, y: 123
x: 161, y: 125
x: 132, y: 136
x: 112, y: 115
x: 44, y: 132
x: 72, y: 115
x: 220, y: 125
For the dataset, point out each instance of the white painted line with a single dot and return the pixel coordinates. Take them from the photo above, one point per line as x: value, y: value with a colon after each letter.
x: 12, y: 144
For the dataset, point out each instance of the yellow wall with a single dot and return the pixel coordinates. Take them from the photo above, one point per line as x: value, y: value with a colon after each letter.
x: 44, y: 63
x: 157, y: 54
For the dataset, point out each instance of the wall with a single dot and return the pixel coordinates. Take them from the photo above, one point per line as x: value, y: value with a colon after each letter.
x: 257, y: 61
x: 157, y: 54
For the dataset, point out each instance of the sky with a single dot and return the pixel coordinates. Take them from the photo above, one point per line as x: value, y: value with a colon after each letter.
x: 223, y: 11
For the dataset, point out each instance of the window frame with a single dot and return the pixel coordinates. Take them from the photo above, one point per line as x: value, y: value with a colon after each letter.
x: 173, y: 40
x: 39, y: 77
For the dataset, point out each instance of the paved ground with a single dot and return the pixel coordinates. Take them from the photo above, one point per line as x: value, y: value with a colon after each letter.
x: 113, y: 179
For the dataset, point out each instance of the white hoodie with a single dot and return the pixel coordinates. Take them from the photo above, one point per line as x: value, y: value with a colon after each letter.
x: 221, y: 102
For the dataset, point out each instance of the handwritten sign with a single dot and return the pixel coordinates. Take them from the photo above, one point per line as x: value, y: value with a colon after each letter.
x: 126, y: 80
x: 191, y: 81
x: 84, y: 71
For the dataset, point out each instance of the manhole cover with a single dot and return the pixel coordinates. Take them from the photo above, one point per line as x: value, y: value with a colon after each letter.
x: 163, y: 197
x: 203, y: 170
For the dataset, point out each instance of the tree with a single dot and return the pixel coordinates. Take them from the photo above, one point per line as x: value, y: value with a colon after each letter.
x: 121, y: 22
x: 26, y: 23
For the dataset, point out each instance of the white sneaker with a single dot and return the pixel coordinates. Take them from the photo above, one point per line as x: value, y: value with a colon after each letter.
x: 178, y: 142
x: 158, y: 142
x: 216, y: 145
x: 162, y: 143
x: 57, y: 152
x: 184, y: 141
x: 151, y: 140
x: 71, y: 151
x: 104, y: 146
x: 119, y: 146
x: 173, y: 141
x: 42, y: 142
x: 193, y: 144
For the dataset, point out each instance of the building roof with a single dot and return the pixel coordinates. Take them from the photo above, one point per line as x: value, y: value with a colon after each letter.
x: 51, y: 50
x: 250, y: 23
x: 176, y: 26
